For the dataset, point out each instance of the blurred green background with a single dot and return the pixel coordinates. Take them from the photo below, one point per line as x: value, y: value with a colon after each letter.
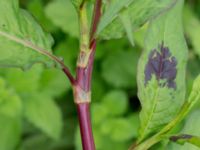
x: 36, y: 107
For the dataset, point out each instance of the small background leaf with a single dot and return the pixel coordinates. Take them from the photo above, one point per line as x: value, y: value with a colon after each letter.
x: 10, y: 129
x: 64, y: 17
x: 122, y: 72
x: 117, y: 98
x: 44, y: 114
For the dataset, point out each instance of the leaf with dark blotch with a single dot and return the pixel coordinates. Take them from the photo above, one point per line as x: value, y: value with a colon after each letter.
x: 183, y: 138
x: 163, y: 65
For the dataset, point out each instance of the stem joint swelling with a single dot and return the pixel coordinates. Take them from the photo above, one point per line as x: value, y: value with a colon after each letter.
x: 81, y: 96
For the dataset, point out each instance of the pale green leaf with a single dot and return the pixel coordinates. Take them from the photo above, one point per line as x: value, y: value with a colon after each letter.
x: 160, y: 102
x: 10, y: 102
x: 65, y: 16
x: 42, y: 111
x: 10, y: 129
x: 22, y: 41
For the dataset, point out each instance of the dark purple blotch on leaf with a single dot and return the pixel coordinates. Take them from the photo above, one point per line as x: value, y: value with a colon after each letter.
x: 162, y: 64
x: 181, y: 137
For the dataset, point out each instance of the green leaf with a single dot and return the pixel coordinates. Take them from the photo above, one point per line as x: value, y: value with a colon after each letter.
x: 10, y: 129
x: 44, y: 114
x: 23, y: 41
x: 162, y: 91
x: 117, y: 129
x: 24, y: 82
x: 194, y: 94
x: 135, y: 123
x: 53, y: 83
x: 116, y: 102
x: 119, y: 68
x: 186, y: 138
x: 126, y: 21
x: 66, y: 20
x: 36, y: 7
x: 98, y: 118
x: 192, y: 128
x: 10, y: 102
x: 141, y: 11
x: 112, y: 12
x: 77, y: 3
x: 192, y: 22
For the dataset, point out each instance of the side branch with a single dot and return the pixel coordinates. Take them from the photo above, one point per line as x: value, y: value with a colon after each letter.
x: 40, y: 50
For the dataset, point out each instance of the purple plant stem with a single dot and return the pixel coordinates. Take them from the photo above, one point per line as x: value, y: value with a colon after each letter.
x: 85, y: 126
x: 69, y: 75
x: 84, y: 75
x: 83, y: 80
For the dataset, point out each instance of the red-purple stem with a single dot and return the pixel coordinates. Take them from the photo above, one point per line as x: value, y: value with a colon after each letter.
x: 69, y: 75
x: 82, y: 84
x: 84, y: 75
x: 85, y: 126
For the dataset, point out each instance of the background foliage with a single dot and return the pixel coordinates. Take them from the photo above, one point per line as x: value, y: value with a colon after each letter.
x: 36, y: 106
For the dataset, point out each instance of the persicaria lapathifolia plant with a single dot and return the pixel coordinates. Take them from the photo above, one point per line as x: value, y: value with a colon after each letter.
x: 161, y: 68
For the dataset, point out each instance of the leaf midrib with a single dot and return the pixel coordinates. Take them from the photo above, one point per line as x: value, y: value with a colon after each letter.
x: 151, y: 115
x: 32, y: 46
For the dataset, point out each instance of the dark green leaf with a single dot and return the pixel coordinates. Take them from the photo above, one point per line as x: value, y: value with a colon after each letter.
x: 119, y: 68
